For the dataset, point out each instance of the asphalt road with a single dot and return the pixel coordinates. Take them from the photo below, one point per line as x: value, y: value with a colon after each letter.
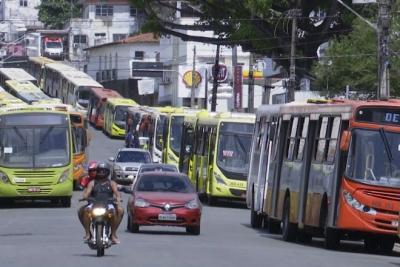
x: 38, y: 234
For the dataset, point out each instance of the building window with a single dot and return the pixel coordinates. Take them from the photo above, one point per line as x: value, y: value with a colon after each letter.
x: 117, y: 37
x: 139, y: 55
x: 104, y: 10
x: 23, y: 3
x: 99, y: 35
x: 80, y: 39
x: 133, y: 12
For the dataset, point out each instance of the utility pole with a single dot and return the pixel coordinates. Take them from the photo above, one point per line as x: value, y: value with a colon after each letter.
x: 234, y: 64
x: 215, y: 82
x: 292, y: 71
x: 192, y: 92
x: 383, y: 48
x: 250, y: 105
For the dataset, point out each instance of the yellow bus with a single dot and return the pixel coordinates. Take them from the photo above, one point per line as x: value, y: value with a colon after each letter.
x: 35, y: 67
x: 16, y: 74
x: 26, y: 91
x: 219, y: 147
x: 36, y: 160
x: 6, y: 99
x: 115, y: 115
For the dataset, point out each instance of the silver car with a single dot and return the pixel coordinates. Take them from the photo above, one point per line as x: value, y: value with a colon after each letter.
x: 126, y: 164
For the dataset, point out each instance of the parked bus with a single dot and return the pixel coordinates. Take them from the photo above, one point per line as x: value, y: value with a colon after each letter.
x: 36, y: 66
x: 220, y: 154
x: 26, y: 91
x: 97, y: 103
x: 36, y: 155
x: 331, y: 169
x: 70, y: 85
x: 15, y: 74
x: 115, y: 115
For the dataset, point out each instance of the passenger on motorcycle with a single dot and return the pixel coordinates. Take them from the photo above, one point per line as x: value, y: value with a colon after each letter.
x: 102, y: 189
x: 91, y: 174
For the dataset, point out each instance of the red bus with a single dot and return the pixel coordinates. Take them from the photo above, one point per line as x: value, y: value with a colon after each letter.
x: 330, y: 170
x: 97, y: 100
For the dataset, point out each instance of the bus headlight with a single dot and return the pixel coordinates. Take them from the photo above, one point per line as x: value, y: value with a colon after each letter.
x: 4, y: 178
x: 99, y: 211
x: 64, y: 176
x: 219, y: 179
x: 357, y: 205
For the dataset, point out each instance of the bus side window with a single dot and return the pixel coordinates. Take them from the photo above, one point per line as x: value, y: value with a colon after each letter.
x: 327, y: 139
x: 275, y: 140
x: 321, y: 139
x: 333, y: 140
x: 302, y: 138
x: 292, y: 138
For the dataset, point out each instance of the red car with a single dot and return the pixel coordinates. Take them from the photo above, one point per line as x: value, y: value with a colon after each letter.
x: 164, y: 198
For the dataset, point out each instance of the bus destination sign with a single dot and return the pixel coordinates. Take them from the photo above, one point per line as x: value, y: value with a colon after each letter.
x: 379, y: 115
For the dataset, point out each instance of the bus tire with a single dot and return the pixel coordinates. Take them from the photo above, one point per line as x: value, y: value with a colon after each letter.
x: 386, y: 244
x: 274, y: 226
x: 332, y: 238
x: 289, y: 230
x: 304, y: 237
x: 66, y: 202
x: 255, y: 219
x: 371, y: 244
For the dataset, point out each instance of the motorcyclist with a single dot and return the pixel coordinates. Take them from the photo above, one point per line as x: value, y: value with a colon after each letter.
x: 101, y: 188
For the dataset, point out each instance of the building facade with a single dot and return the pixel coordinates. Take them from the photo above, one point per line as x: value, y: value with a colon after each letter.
x: 101, y: 22
x: 131, y: 66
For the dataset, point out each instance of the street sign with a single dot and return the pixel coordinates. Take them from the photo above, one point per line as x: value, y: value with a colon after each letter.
x: 222, y: 73
x: 355, y: 2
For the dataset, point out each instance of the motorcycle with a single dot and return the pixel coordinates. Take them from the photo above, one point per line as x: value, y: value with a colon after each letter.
x: 100, y: 225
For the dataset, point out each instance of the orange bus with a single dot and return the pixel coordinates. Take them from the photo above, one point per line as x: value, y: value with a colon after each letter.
x: 97, y: 101
x: 330, y: 170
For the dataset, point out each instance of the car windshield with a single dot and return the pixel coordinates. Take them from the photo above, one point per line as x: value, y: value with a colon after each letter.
x: 53, y: 45
x: 374, y: 157
x: 157, y: 169
x: 176, y: 134
x: 29, y: 147
x: 234, y: 144
x: 155, y: 183
x: 133, y: 156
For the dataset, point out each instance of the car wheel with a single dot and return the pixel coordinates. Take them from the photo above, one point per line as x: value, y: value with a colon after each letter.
x: 193, y: 230
x: 129, y: 224
x: 133, y: 227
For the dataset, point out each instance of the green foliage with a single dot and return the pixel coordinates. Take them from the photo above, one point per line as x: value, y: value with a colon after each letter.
x: 56, y: 13
x: 352, y: 60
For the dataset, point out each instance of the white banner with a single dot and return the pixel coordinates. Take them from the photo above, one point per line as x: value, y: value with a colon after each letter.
x: 146, y: 86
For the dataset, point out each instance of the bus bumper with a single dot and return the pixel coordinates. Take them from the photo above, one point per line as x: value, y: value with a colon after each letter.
x: 117, y: 132
x: 221, y: 190
x: 36, y: 191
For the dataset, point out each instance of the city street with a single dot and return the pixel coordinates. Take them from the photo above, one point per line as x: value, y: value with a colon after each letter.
x: 38, y: 234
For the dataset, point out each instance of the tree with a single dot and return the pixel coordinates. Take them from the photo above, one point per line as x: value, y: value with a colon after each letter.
x: 352, y: 60
x: 259, y: 26
x: 56, y: 13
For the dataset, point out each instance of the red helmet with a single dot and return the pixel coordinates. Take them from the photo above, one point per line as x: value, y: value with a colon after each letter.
x: 92, y: 166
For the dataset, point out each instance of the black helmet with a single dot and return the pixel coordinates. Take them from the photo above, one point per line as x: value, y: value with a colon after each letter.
x: 103, y: 170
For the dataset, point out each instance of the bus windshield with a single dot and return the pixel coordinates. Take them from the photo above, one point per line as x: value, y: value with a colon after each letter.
x: 160, y: 132
x: 83, y: 98
x: 374, y: 157
x: 176, y: 134
x: 234, y: 145
x: 120, y: 116
x: 34, y: 147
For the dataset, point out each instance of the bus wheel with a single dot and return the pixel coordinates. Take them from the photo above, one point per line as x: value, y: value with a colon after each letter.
x: 288, y: 229
x: 304, y: 237
x: 332, y: 238
x: 386, y: 244
x: 255, y: 219
x: 274, y: 226
x: 371, y: 244
x: 66, y: 202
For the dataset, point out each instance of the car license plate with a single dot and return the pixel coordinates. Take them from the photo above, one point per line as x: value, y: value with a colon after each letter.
x: 167, y: 217
x: 395, y: 223
x: 34, y: 189
x: 19, y: 180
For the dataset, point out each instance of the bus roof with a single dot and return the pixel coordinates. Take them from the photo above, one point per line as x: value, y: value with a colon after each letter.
x: 214, y: 119
x: 104, y: 93
x: 41, y: 60
x: 17, y: 74
x: 120, y: 101
x: 25, y: 86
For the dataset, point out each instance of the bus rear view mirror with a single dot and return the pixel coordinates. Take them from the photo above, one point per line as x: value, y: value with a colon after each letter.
x: 345, y: 141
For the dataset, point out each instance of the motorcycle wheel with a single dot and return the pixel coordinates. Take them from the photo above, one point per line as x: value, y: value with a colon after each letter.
x: 99, y: 243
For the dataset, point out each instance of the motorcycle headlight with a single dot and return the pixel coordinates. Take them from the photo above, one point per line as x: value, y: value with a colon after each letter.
x: 193, y: 204
x: 99, y: 211
x: 141, y: 203
x: 64, y: 176
x: 219, y: 179
x: 4, y: 178
x: 353, y: 202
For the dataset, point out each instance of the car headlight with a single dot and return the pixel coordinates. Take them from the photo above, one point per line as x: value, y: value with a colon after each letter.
x: 4, y: 178
x: 219, y: 179
x: 357, y: 205
x: 64, y: 176
x: 117, y: 168
x: 99, y: 211
x: 192, y: 204
x: 141, y: 203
